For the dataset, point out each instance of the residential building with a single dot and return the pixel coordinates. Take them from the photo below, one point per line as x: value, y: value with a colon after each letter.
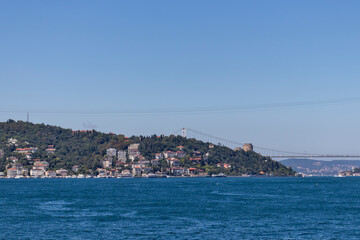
x: 134, y: 146
x: 107, y: 162
x: 37, y: 172
x: 197, y: 153
x: 169, y: 154
x: 192, y: 171
x: 102, y: 172
x: 126, y: 173
x: 50, y: 174
x: 144, y: 163
x: 122, y: 156
x: 50, y: 149
x: 173, y: 162
x: 159, y: 156
x: 13, y: 159
x: 146, y: 169
x: 177, y: 171
x: 136, y: 170
x: 75, y: 168
x: 180, y: 154
x: 195, y: 160
x: 12, y: 172
x: 111, y: 152
x: 22, y: 150
x: 224, y: 165
x: 155, y: 162
x: 133, y: 153
x: 62, y: 172
x: 41, y: 165
x: 12, y: 141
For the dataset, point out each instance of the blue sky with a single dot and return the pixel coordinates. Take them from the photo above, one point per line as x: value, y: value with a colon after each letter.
x: 75, y: 63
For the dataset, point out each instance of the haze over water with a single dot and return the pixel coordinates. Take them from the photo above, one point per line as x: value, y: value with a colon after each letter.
x: 180, y: 208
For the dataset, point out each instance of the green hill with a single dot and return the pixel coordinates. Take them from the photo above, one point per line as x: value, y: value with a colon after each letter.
x: 87, y: 149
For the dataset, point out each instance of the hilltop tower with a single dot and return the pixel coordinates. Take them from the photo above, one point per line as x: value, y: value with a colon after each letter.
x: 183, y: 132
x: 248, y: 147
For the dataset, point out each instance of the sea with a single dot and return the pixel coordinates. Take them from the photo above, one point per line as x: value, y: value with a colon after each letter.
x: 181, y: 208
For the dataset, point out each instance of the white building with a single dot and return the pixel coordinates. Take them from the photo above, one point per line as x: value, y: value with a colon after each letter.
x: 159, y: 156
x: 12, y: 172
x: 62, y: 172
x: 121, y: 156
x: 134, y: 146
x: 37, y: 172
x: 111, y: 152
x: 107, y: 162
x: 50, y: 174
x: 169, y: 154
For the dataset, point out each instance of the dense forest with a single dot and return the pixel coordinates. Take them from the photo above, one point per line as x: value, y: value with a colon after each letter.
x: 88, y: 148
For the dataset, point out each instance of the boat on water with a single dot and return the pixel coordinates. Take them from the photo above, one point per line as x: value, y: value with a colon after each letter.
x: 151, y: 175
x: 218, y: 175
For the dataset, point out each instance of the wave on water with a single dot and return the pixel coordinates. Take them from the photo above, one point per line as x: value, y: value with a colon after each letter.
x: 59, y: 205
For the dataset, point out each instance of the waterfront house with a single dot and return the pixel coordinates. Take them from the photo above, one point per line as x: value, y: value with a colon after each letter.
x: 192, y: 171
x: 41, y: 165
x: 146, y: 169
x: 62, y: 172
x: 50, y: 174
x: 12, y: 172
x: 75, y: 168
x: 37, y: 172
x: 177, y: 171
x: 126, y: 173
x: 101, y: 172
x: 136, y: 170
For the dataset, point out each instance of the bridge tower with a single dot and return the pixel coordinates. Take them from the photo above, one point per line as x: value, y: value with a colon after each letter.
x: 183, y: 132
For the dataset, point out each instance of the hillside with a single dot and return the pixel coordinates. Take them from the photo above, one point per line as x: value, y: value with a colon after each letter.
x: 64, y: 148
x: 320, y: 168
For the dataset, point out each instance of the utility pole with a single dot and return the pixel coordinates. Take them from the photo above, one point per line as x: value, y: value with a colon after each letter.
x: 27, y: 117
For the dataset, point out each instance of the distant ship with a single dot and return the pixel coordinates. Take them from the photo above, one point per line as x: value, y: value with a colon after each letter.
x: 218, y: 175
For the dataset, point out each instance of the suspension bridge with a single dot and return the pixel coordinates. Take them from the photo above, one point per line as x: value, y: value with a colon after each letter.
x: 268, y: 152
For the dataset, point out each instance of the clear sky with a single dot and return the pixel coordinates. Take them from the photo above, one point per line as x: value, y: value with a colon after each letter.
x: 143, y: 67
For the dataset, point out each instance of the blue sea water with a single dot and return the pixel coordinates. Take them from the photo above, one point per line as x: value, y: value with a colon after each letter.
x: 180, y: 208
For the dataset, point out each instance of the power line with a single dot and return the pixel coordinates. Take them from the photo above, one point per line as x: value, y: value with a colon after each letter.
x: 195, y: 110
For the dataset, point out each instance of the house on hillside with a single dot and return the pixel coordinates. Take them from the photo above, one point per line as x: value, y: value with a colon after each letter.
x: 169, y: 154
